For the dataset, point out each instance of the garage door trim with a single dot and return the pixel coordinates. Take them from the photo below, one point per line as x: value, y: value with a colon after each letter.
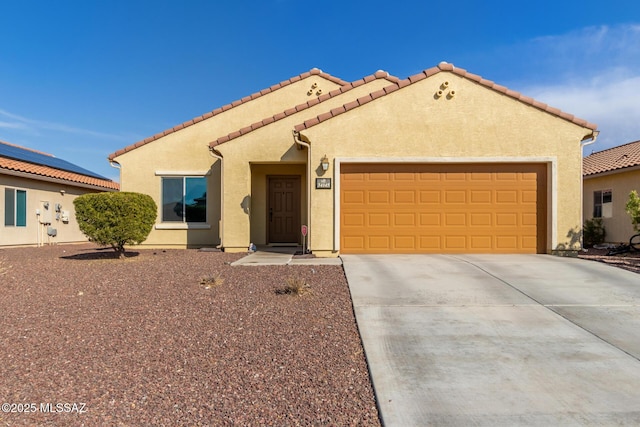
x: 552, y: 196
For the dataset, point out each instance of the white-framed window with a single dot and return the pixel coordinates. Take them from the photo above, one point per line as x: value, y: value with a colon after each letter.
x: 602, y: 204
x: 15, y: 207
x: 184, y: 199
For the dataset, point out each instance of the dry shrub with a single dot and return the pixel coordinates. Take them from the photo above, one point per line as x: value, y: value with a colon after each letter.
x: 3, y: 267
x: 211, y: 281
x: 295, y: 286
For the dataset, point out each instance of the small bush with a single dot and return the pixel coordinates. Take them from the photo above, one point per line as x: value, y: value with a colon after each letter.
x: 295, y: 286
x: 633, y: 209
x: 116, y: 219
x: 593, y: 232
x: 211, y: 281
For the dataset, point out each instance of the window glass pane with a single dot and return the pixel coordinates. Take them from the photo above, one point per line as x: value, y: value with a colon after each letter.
x: 172, y: 203
x: 21, y: 208
x: 597, y: 204
x: 597, y: 211
x: 606, y: 196
x: 9, y: 206
x: 196, y: 199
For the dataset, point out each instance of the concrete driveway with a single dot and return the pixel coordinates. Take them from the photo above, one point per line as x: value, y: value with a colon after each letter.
x: 499, y: 340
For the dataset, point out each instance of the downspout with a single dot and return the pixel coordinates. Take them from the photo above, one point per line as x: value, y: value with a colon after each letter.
x: 118, y: 166
x: 301, y: 143
x: 216, y: 154
x: 587, y: 140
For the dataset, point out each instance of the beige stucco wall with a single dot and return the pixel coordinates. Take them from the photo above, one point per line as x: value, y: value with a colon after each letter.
x: 186, y: 152
x: 618, y: 227
x: 272, y: 144
x: 477, y: 124
x: 38, y: 192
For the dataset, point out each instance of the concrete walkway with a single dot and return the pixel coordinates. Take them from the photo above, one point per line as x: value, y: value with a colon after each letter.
x: 499, y: 340
x: 280, y: 256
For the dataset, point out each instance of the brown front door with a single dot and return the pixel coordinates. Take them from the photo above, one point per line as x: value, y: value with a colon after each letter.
x: 283, y: 212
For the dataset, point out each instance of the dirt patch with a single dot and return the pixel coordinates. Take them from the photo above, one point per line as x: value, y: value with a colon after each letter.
x: 142, y: 341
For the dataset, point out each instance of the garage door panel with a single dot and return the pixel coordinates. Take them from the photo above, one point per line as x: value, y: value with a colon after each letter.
x: 455, y: 196
x: 481, y: 242
x: 379, y: 242
x: 404, y: 219
x: 378, y: 196
x: 404, y: 196
x: 455, y: 219
x: 480, y: 196
x: 403, y: 243
x: 430, y: 196
x: 506, y: 219
x: 354, y: 219
x: 481, y: 219
x: 353, y: 197
x: 430, y: 243
x: 439, y: 208
x: 455, y: 243
x: 429, y: 219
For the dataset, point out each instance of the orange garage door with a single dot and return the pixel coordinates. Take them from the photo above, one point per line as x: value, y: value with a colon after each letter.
x: 443, y: 208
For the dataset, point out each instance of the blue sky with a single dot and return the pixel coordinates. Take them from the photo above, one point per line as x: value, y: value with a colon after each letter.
x: 82, y: 79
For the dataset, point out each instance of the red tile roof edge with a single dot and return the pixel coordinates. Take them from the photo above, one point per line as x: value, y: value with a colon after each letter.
x: 49, y: 172
x: 611, y: 159
x: 443, y: 66
x: 312, y: 72
x: 301, y: 107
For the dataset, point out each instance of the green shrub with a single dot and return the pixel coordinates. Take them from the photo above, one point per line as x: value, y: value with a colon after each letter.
x: 116, y: 219
x: 633, y: 208
x: 593, y: 232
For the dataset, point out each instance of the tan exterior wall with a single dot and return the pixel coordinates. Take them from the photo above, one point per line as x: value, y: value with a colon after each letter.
x: 272, y: 144
x: 618, y: 227
x: 38, y: 192
x: 477, y: 124
x: 186, y: 152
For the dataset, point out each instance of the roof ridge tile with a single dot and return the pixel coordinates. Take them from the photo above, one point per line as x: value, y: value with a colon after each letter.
x: 233, y: 104
x: 314, y: 101
x: 444, y: 66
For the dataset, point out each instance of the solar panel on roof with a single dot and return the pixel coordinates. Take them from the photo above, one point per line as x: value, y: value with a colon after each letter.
x: 18, y: 153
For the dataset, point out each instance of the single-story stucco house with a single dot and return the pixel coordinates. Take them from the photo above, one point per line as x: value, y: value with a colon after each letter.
x: 608, y: 178
x: 38, y: 190
x: 441, y: 162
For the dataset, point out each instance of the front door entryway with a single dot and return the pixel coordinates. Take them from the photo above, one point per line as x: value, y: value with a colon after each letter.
x: 283, y: 210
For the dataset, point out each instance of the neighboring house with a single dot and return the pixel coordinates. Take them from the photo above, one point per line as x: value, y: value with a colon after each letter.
x: 37, y: 193
x: 608, y: 178
x: 442, y: 162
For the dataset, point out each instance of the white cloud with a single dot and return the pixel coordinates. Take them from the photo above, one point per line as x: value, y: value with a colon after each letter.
x: 35, y: 126
x: 595, y: 76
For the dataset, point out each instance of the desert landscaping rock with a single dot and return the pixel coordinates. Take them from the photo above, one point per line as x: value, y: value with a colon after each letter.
x: 142, y: 341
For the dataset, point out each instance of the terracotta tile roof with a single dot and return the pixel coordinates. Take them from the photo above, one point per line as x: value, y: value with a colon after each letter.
x: 315, y: 101
x: 312, y: 72
x: 620, y: 157
x: 443, y: 66
x: 10, y: 164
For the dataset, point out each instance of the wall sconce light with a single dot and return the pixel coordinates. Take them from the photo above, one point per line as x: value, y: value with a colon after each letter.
x: 324, y: 162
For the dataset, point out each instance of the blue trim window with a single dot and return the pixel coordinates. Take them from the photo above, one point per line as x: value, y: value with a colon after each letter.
x: 15, y: 207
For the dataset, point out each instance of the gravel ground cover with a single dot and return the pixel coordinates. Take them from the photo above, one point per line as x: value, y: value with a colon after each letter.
x: 628, y: 261
x: 89, y: 340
